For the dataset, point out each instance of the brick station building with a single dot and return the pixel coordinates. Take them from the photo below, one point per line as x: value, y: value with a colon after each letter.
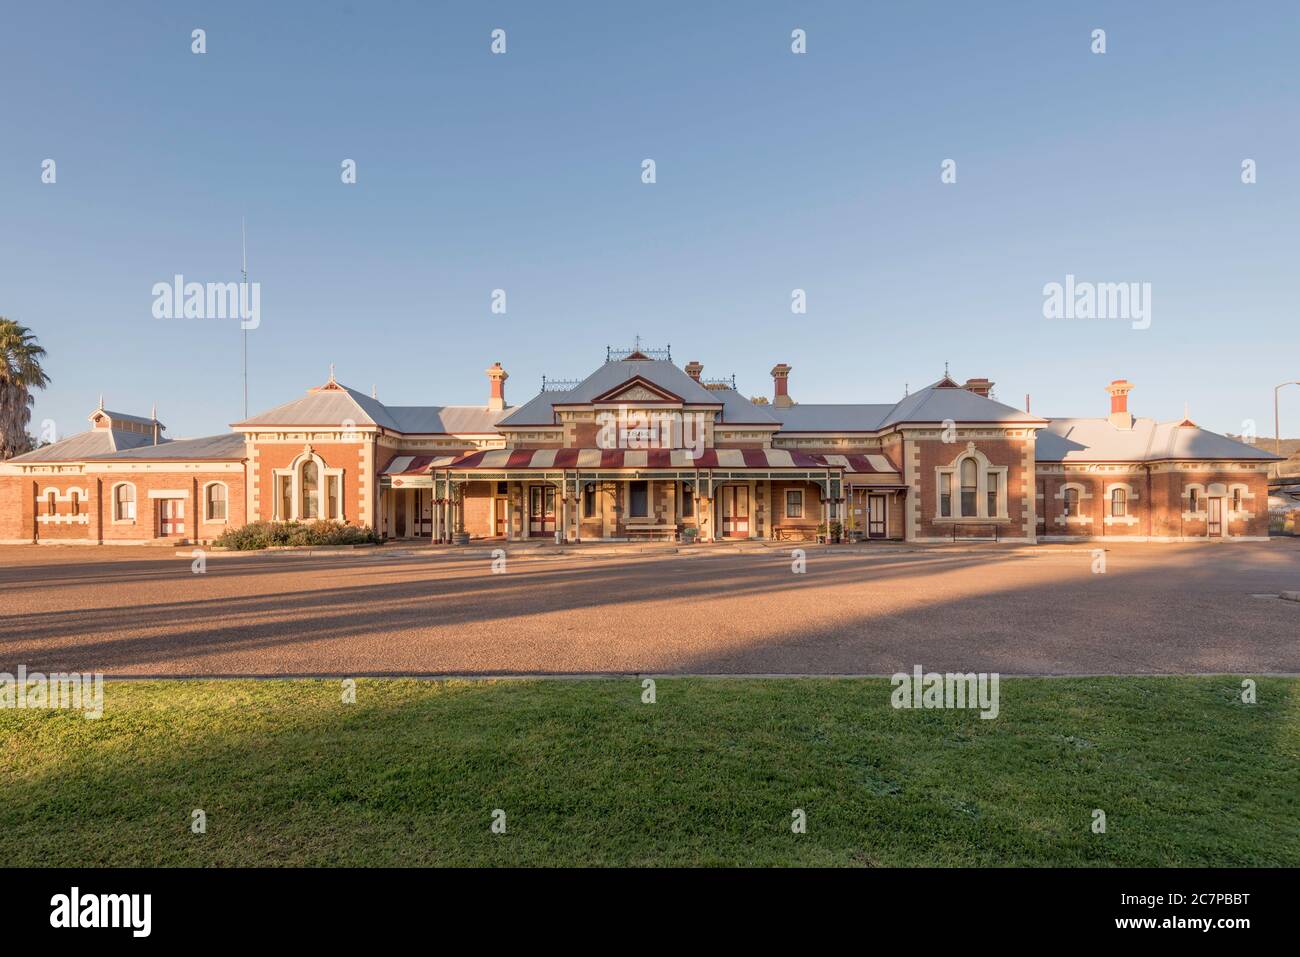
x: 641, y: 448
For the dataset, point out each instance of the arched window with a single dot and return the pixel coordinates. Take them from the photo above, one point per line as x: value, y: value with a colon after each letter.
x: 1071, y: 502
x: 124, y: 503
x: 309, y: 484
x: 51, y: 502
x: 1236, y: 499
x: 215, y: 503
x: 969, y: 486
x: 76, y: 503
x: 1118, y: 502
x: 1194, y: 499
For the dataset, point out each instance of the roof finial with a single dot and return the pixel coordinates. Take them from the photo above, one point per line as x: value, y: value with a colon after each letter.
x: 101, y: 402
x: 374, y: 391
x: 331, y: 373
x: 945, y: 369
x: 153, y: 413
x: 905, y: 391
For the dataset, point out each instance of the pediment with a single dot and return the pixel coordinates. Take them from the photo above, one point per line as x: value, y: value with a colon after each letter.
x: 637, y: 389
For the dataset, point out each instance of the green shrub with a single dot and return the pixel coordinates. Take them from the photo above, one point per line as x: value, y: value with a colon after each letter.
x: 272, y: 534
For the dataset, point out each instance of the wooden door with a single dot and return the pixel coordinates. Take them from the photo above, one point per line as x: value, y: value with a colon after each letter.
x: 1214, y: 517
x: 735, y: 511
x: 876, y: 516
x: 541, y: 510
x: 171, y: 516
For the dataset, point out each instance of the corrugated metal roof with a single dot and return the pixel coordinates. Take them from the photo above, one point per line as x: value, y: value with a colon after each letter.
x: 938, y: 403
x: 228, y: 445
x: 337, y: 404
x: 445, y: 419
x: 90, y: 444
x: 661, y: 372
x: 831, y: 418
x: 328, y: 405
x: 1096, y: 440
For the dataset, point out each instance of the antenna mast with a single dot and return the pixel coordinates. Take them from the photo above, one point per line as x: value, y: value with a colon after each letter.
x: 243, y: 233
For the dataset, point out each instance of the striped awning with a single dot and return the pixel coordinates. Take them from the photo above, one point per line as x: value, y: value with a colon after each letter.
x: 553, y: 459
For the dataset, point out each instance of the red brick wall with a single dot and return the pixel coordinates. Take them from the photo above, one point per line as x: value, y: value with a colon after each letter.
x: 1156, y: 501
x: 145, y: 526
x: 1009, y: 452
x: 336, y: 455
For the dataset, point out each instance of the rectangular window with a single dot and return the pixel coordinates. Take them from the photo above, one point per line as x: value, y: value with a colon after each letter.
x: 993, y: 495
x: 945, y: 495
x: 332, y: 494
x: 688, y: 500
x: 216, y: 503
x: 285, y: 497
x: 637, y: 500
x: 589, y: 500
x: 794, y: 503
x: 1118, y: 503
x: 502, y: 488
x: 1236, y: 500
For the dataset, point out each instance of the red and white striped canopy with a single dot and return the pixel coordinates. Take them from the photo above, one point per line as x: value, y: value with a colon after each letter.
x: 552, y: 459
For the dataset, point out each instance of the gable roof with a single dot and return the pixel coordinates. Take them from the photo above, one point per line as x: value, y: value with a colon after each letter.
x: 1096, y: 440
x: 946, y: 400
x: 660, y: 374
x: 330, y: 404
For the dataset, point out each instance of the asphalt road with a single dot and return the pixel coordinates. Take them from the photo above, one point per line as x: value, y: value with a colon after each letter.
x: 1156, y: 609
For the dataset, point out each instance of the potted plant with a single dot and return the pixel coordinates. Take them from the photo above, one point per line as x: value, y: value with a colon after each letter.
x: 689, y: 534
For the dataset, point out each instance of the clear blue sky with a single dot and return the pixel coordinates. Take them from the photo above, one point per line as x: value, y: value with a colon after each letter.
x: 775, y: 171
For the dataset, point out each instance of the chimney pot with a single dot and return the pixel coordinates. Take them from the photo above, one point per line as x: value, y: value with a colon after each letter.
x: 1120, y: 417
x: 780, y: 394
x: 497, y: 380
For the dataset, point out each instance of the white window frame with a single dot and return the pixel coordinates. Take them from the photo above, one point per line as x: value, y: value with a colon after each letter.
x: 983, y: 468
x: 294, y: 473
x: 129, y: 519
x: 788, y: 493
x: 207, y: 516
x: 1130, y: 496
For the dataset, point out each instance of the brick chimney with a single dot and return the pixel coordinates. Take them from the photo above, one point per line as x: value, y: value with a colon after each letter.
x: 1119, y: 414
x: 497, y: 379
x: 979, y: 386
x: 780, y: 397
x: 694, y: 369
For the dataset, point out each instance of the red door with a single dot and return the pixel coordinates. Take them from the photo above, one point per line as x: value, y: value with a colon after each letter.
x: 171, y: 516
x: 735, y: 511
x: 541, y: 510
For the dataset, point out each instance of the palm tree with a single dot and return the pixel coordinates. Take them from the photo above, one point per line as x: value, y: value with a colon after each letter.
x: 20, y: 372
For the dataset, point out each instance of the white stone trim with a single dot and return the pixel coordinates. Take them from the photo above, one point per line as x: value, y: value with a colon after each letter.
x: 112, y: 504
x: 982, y: 470
x: 203, y: 518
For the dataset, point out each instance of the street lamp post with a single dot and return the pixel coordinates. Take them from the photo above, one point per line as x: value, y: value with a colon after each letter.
x: 1277, y: 429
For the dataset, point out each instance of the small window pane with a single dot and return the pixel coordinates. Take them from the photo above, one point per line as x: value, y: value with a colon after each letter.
x: 637, y: 504
x: 688, y: 500
x: 310, y: 506
x: 993, y: 495
x: 794, y: 503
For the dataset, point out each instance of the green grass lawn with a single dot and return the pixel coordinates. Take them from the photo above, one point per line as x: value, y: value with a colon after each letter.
x: 709, y: 775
